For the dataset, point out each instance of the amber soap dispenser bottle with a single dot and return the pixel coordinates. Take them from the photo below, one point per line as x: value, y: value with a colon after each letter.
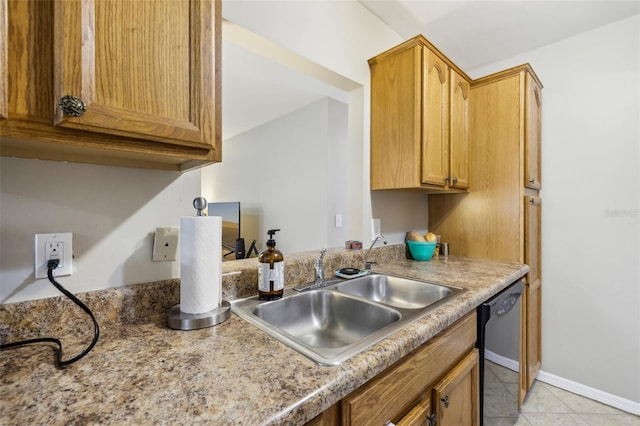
x: 270, y: 271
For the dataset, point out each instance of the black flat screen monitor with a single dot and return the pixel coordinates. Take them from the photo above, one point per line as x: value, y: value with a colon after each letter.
x: 230, y: 213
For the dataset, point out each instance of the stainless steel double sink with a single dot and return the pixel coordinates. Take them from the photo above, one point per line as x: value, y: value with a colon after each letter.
x: 332, y: 323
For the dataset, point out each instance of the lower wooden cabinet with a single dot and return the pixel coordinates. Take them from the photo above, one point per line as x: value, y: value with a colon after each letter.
x: 456, y: 395
x: 437, y: 381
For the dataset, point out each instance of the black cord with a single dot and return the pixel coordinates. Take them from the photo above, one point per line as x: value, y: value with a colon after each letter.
x: 51, y: 265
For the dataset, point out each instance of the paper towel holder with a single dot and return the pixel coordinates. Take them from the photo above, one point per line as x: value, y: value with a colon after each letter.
x: 179, y: 320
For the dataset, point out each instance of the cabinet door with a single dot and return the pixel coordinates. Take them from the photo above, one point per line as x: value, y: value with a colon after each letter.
x: 455, y: 397
x: 435, y: 119
x: 395, y: 391
x: 531, y: 331
x: 420, y: 415
x: 142, y: 69
x: 533, y: 135
x: 396, y: 120
x: 459, y: 132
x: 3, y: 59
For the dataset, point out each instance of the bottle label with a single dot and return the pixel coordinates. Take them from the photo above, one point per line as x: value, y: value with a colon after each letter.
x: 266, y: 276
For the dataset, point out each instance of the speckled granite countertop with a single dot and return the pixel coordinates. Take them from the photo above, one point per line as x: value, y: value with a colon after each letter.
x: 141, y: 372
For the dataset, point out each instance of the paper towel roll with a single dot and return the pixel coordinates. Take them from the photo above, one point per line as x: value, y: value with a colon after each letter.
x: 200, y: 264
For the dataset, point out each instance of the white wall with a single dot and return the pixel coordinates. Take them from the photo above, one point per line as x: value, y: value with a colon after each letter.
x: 591, y: 201
x: 341, y: 36
x: 337, y: 175
x: 111, y: 211
x: 284, y: 175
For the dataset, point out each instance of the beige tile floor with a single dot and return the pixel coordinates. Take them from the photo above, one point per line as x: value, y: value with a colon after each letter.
x: 545, y: 405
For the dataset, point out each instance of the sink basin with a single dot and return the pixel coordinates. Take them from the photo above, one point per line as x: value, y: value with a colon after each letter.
x: 395, y: 291
x: 326, y: 319
x: 332, y: 323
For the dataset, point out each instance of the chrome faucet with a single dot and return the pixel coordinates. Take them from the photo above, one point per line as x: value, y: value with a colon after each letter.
x: 319, y: 280
x: 320, y: 268
x: 367, y: 265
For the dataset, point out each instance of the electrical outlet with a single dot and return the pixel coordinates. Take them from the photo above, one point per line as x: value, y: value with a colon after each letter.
x: 375, y: 229
x: 165, y: 243
x: 53, y: 246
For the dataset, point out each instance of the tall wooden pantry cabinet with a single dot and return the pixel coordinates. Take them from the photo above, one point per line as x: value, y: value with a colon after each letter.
x: 499, y: 218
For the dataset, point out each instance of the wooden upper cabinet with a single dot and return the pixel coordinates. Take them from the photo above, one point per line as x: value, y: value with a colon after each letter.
x: 396, y: 120
x: 533, y: 135
x: 133, y: 83
x: 459, y: 131
x: 3, y: 59
x: 435, y: 119
x: 419, y: 119
x: 138, y: 67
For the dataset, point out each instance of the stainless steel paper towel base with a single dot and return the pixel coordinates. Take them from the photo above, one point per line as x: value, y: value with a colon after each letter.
x: 180, y: 321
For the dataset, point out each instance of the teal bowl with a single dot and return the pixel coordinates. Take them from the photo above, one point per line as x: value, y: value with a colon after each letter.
x: 421, y: 250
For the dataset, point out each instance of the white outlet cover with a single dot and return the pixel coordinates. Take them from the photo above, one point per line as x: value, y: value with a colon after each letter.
x: 165, y: 243
x: 63, y: 240
x: 375, y: 228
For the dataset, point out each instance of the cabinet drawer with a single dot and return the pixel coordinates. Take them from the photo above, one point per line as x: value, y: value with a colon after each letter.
x: 391, y: 394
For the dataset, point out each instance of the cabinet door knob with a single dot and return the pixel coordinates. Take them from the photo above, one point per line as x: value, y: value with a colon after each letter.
x: 446, y: 401
x: 532, y: 181
x: 431, y: 420
x: 72, y: 106
x: 455, y: 180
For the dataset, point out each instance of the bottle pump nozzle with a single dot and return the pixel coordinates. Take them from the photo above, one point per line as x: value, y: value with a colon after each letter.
x: 271, y: 242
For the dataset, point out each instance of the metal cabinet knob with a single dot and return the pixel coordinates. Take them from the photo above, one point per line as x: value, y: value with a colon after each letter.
x: 455, y: 180
x: 72, y: 106
x: 431, y: 420
x: 446, y: 401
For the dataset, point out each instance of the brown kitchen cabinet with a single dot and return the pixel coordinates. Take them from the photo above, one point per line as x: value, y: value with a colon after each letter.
x: 113, y: 82
x: 532, y: 294
x: 409, y: 393
x: 455, y: 398
x: 405, y: 391
x: 456, y: 395
x: 533, y: 132
x: 458, y: 176
x: 3, y: 60
x: 499, y: 218
x: 419, y: 119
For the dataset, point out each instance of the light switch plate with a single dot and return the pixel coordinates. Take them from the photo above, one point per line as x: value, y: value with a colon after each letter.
x: 165, y: 243
x: 375, y: 229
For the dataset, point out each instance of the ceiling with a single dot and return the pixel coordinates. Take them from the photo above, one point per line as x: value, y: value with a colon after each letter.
x: 472, y: 34
x: 478, y: 33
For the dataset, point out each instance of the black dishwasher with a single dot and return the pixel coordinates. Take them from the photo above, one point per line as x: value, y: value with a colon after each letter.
x: 499, y: 342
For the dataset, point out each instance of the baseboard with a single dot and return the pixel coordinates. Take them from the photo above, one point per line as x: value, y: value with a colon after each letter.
x: 571, y: 386
x: 591, y: 393
x: 501, y: 360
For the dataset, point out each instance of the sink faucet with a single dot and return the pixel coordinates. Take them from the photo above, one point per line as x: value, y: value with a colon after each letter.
x: 367, y: 265
x: 319, y: 268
